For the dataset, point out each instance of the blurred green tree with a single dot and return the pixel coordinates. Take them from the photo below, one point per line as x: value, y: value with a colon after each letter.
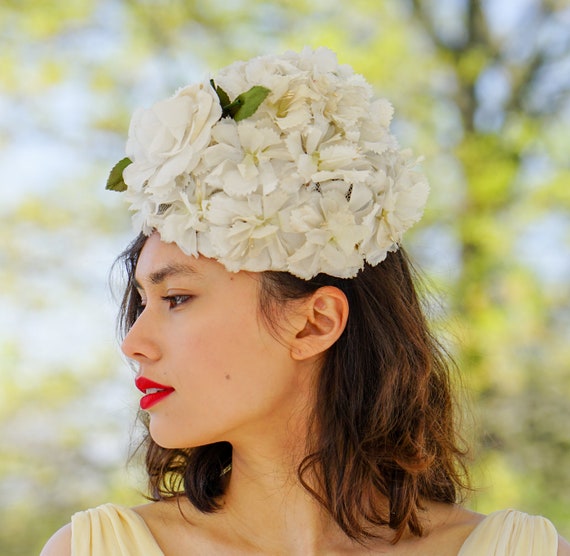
x: 486, y: 103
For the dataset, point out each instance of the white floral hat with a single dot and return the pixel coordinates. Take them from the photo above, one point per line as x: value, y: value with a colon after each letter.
x: 298, y: 173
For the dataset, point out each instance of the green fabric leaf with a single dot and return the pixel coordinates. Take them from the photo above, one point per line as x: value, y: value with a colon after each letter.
x: 244, y: 105
x: 222, y: 95
x: 116, y: 181
x: 247, y: 103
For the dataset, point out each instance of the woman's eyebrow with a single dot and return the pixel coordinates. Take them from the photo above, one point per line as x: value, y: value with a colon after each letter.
x: 158, y: 276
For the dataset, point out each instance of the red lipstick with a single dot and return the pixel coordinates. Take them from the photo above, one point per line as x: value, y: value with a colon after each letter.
x: 153, y: 391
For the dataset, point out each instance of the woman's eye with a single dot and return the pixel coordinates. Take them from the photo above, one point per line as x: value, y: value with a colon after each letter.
x: 137, y: 302
x: 176, y: 300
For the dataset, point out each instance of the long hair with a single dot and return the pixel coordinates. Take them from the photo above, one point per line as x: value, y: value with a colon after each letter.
x: 384, y: 436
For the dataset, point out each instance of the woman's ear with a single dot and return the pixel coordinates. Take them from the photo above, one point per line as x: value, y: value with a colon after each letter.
x: 324, y: 319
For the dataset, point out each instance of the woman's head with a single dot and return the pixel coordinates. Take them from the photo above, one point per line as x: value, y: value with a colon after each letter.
x: 380, y: 424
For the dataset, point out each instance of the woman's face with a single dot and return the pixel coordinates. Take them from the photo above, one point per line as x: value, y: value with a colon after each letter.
x: 200, y: 334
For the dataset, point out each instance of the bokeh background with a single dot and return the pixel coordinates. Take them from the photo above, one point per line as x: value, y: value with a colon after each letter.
x: 481, y: 89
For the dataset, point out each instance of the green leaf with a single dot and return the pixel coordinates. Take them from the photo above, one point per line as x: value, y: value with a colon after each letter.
x: 247, y: 103
x: 222, y: 95
x: 244, y: 105
x: 116, y: 181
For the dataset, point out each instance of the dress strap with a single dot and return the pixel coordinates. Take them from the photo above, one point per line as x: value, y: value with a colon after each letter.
x: 111, y: 530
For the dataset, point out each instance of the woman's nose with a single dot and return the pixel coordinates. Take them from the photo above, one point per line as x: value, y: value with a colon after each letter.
x: 141, y: 341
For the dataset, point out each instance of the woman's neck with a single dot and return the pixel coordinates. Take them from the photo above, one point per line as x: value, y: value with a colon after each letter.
x: 266, y: 505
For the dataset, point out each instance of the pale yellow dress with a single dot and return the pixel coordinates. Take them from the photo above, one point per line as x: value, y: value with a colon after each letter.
x: 112, y: 530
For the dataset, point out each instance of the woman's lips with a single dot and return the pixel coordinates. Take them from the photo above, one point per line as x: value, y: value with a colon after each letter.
x: 154, y: 392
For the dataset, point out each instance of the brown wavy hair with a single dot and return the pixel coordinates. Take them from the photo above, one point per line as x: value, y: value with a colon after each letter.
x: 384, y: 421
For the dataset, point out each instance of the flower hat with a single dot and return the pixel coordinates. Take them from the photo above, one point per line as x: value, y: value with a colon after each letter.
x: 281, y: 163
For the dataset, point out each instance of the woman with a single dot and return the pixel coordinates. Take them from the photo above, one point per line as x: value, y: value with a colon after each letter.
x: 296, y: 401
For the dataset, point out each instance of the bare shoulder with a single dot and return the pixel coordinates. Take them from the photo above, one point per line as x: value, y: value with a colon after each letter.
x: 164, y: 511
x: 563, y: 547
x: 462, y: 516
x: 446, y: 527
x: 449, y: 526
x: 175, y: 524
x: 172, y: 516
x: 59, y: 544
x: 447, y: 518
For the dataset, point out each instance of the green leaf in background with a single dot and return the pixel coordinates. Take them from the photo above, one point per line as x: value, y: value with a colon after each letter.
x: 116, y: 181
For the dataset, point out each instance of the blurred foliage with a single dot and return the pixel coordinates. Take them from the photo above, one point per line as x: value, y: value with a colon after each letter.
x: 486, y: 103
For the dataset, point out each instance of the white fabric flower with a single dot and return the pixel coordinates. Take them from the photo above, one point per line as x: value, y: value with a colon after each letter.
x: 374, y: 132
x: 245, y: 158
x: 332, y: 235
x: 183, y: 220
x: 273, y: 73
x: 320, y: 157
x: 167, y: 139
x: 309, y: 180
x: 247, y: 233
x: 396, y: 209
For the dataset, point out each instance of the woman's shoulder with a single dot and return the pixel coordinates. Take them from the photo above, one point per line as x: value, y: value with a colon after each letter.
x: 170, y: 513
x: 514, y: 530
x: 507, y: 532
x: 176, y: 525
x: 59, y: 544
